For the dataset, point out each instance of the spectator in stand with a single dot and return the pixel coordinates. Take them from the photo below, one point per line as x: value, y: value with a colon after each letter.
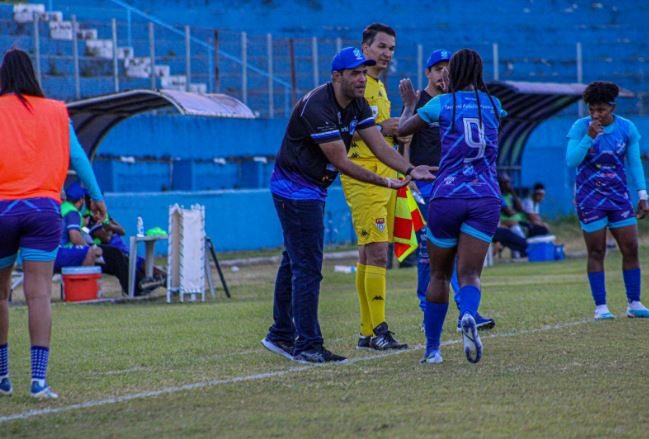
x: 532, y: 206
x: 513, y: 214
x: 506, y: 238
x: 74, y: 249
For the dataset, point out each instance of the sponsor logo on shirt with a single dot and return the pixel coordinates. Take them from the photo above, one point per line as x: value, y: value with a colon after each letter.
x: 352, y: 126
x: 449, y: 180
x: 468, y: 170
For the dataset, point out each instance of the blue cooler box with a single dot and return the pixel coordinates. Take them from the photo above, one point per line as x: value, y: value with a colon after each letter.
x: 541, y: 249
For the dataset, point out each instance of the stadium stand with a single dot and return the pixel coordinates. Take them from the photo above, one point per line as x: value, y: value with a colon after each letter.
x: 162, y: 152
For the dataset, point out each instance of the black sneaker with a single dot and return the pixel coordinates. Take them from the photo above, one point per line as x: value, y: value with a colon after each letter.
x: 383, y: 339
x: 283, y: 348
x: 363, y: 342
x: 318, y: 356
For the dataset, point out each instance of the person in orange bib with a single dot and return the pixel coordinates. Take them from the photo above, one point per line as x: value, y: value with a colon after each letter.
x: 37, y: 143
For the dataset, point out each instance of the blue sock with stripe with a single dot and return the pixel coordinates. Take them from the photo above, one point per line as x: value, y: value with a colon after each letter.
x: 4, y: 360
x: 434, y: 316
x: 598, y: 287
x: 632, y: 284
x: 469, y: 300
x: 40, y: 357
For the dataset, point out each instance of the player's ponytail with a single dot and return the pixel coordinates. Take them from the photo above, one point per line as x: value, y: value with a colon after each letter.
x: 17, y: 76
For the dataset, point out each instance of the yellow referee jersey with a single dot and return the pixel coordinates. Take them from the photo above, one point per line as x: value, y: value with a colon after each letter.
x: 377, y: 97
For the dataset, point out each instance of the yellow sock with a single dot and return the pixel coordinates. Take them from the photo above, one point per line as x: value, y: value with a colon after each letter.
x: 366, y: 323
x: 375, y: 280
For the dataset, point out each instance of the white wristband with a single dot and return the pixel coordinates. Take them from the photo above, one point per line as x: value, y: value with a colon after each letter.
x: 389, y: 183
x: 642, y: 194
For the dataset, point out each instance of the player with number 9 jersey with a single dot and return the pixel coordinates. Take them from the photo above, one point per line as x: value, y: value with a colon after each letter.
x: 468, y: 165
x: 464, y: 207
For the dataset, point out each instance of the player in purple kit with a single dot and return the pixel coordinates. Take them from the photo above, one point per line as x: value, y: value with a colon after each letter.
x: 465, y: 200
x: 598, y: 146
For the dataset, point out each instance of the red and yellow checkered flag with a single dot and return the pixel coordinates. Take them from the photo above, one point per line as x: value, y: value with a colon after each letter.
x: 407, y: 221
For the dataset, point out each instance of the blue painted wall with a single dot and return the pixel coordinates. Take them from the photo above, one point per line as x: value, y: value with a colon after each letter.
x: 245, y: 219
x: 235, y: 220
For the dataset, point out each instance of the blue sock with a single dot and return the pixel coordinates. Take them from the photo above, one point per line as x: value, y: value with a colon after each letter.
x: 423, y: 269
x: 40, y: 356
x: 4, y: 360
x: 469, y: 300
x: 632, y: 284
x: 434, y: 316
x: 423, y: 278
x: 598, y: 287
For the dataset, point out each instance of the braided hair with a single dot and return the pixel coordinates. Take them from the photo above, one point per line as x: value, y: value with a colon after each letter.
x: 601, y: 92
x: 465, y: 69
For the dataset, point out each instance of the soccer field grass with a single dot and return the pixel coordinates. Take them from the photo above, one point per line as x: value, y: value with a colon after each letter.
x: 151, y: 369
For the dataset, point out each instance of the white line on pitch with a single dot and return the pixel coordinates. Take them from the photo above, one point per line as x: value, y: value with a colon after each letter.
x: 153, y: 393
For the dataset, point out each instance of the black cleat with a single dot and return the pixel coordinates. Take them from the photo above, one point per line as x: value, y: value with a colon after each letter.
x: 383, y: 339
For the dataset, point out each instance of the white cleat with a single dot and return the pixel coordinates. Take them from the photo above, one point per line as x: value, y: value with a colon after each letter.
x: 472, y: 343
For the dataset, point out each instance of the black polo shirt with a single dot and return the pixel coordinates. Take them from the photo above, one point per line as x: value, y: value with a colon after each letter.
x: 317, y: 118
x: 426, y: 144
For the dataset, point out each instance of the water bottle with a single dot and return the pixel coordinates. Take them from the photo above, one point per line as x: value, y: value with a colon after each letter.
x: 140, y: 227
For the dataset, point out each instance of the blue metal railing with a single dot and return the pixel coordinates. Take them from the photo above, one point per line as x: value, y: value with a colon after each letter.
x: 131, y: 10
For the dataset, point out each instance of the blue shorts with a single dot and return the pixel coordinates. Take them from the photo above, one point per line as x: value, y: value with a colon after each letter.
x: 448, y: 217
x: 32, y: 226
x: 70, y: 257
x: 592, y: 220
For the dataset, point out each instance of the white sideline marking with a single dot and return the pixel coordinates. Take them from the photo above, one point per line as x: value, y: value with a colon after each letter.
x: 153, y: 393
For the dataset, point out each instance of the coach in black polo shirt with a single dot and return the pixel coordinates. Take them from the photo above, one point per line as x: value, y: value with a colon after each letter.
x: 313, y: 151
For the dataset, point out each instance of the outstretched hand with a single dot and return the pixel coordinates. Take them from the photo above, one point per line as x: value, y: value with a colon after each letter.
x: 424, y: 172
x: 408, y: 95
x: 643, y: 209
x: 394, y: 183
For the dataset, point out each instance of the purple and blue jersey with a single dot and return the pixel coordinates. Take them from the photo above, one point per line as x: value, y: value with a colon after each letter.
x: 601, y: 176
x: 468, y: 165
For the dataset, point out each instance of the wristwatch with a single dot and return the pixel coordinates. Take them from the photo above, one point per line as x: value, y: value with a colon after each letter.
x: 380, y: 127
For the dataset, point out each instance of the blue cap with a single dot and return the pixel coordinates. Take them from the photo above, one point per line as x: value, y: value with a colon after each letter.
x: 350, y: 58
x: 75, y: 192
x: 438, y: 56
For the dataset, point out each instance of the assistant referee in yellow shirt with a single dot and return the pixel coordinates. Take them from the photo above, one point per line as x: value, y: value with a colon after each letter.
x: 372, y: 207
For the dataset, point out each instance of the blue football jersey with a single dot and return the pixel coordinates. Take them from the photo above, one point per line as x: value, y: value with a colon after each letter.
x: 468, y: 165
x: 601, y: 177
